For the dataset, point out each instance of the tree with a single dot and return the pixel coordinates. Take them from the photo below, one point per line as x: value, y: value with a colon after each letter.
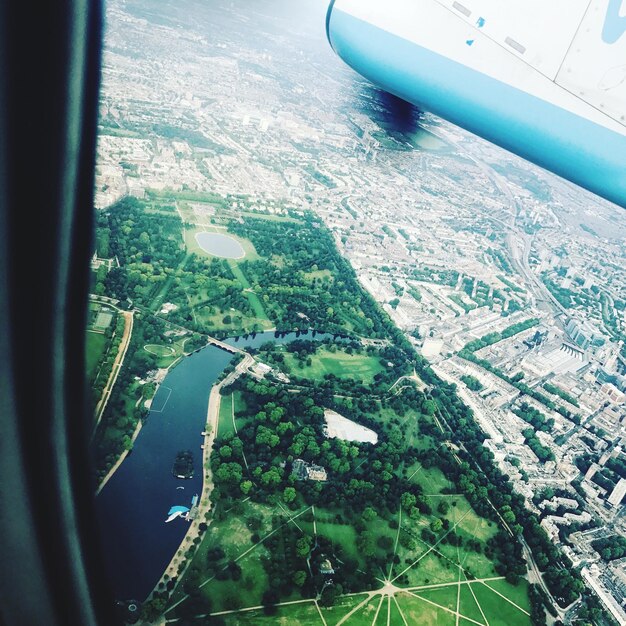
x: 329, y: 594
x: 429, y: 407
x: 436, y: 525
x: 365, y: 543
x: 289, y: 494
x: 245, y: 487
x: 408, y: 500
x: 153, y: 609
x: 369, y: 514
x: 303, y: 546
x: 298, y: 578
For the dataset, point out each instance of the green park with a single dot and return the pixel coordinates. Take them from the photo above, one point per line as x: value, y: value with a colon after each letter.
x: 309, y: 526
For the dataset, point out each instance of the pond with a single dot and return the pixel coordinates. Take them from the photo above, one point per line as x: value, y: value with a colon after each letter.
x: 220, y: 245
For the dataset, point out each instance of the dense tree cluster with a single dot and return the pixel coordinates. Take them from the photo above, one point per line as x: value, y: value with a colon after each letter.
x: 534, y: 417
x: 311, y: 285
x: 394, y: 359
x: 286, y: 426
x: 113, y: 335
x: 610, y: 548
x: 557, y: 391
x: 543, y: 453
x: 483, y: 484
x: 472, y: 382
x: 153, y: 261
x: 491, y: 338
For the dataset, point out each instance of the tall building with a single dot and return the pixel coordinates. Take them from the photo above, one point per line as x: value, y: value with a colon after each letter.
x: 618, y: 493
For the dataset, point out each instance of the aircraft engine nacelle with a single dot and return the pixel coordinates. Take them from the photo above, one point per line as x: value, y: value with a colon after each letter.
x: 545, y: 80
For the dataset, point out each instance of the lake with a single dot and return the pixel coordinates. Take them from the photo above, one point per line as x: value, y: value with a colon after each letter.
x: 220, y: 245
x: 133, y: 506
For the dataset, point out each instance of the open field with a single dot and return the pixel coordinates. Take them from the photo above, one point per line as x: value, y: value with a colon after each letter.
x: 342, y: 607
x: 301, y: 614
x: 253, y: 298
x: 360, y: 367
x: 159, y: 350
x: 225, y: 424
x: 498, y: 611
x: 420, y: 612
x: 166, y: 354
x: 95, y: 349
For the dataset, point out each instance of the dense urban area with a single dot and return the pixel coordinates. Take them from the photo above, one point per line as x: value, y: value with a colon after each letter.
x: 443, y: 443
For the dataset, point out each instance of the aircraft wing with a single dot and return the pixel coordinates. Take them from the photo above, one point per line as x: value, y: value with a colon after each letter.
x: 546, y: 80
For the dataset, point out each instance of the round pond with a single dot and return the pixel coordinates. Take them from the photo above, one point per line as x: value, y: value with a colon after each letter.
x: 220, y: 245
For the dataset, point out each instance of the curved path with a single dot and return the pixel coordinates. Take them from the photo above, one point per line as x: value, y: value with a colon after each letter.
x: 117, y: 366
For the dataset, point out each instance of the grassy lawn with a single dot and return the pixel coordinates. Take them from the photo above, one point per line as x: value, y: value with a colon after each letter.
x: 497, y: 610
x: 95, y: 349
x: 342, y: 534
x: 478, y: 564
x: 166, y: 354
x: 433, y: 480
x: 304, y: 614
x: 365, y: 615
x: 417, y: 611
x: 517, y: 593
x: 384, y: 614
x: 253, y: 298
x: 318, y: 274
x: 430, y: 570
x: 395, y: 619
x: 342, y: 607
x: 225, y: 424
x: 444, y: 596
x: 471, y: 524
x: 356, y: 366
x: 468, y: 606
x: 159, y: 351
x: 248, y: 591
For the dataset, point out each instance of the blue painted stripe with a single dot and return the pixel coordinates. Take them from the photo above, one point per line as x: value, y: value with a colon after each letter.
x: 586, y: 153
x: 614, y: 24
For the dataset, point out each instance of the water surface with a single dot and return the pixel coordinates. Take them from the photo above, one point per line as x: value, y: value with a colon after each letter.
x: 220, y: 245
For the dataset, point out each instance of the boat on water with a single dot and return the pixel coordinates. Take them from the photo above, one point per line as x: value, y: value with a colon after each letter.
x: 194, y: 500
x: 176, y: 511
x: 180, y: 487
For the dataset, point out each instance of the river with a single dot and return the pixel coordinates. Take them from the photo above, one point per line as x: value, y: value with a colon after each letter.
x: 132, y: 507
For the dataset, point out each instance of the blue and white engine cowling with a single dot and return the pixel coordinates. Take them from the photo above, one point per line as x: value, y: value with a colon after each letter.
x: 545, y: 80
